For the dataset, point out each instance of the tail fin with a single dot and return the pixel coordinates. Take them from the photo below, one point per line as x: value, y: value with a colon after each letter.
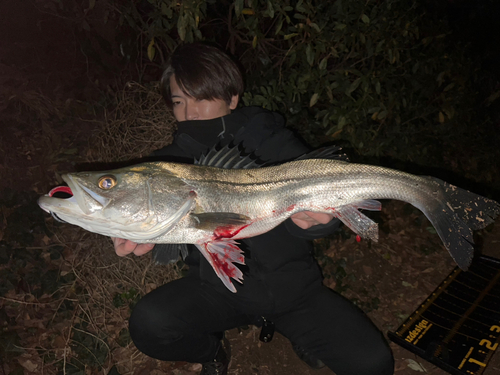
x: 475, y: 210
x: 456, y: 215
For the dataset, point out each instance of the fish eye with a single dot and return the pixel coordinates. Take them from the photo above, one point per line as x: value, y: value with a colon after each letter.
x: 107, y: 182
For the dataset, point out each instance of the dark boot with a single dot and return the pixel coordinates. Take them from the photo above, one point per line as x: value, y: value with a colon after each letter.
x: 220, y: 363
x: 310, y: 360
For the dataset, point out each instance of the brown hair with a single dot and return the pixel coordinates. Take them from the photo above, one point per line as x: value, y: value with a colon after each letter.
x: 202, y: 72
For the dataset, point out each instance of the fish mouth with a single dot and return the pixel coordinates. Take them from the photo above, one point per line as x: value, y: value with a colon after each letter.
x: 82, y: 201
x: 66, y: 190
x: 54, y: 204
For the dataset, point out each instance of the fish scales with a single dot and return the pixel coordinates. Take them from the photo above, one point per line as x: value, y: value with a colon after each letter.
x: 318, y: 184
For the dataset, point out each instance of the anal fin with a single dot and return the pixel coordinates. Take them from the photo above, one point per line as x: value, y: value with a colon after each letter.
x: 358, y: 222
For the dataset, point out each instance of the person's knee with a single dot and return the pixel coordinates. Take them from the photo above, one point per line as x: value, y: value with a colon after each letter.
x: 148, y: 325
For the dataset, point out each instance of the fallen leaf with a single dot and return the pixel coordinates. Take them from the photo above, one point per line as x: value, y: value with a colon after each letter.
x: 368, y: 270
x: 46, y: 240
x: 195, y: 367
x: 415, y: 366
x: 28, y: 365
x: 59, y: 342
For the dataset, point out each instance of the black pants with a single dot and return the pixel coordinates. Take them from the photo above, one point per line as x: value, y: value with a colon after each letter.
x: 180, y: 321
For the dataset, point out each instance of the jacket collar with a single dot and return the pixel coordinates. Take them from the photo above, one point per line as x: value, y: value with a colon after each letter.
x: 213, y: 131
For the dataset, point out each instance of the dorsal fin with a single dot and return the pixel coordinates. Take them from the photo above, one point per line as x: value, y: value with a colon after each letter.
x: 227, y: 157
x: 327, y: 152
x: 230, y: 157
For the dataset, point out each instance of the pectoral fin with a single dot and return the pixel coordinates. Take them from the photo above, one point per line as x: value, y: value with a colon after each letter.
x: 213, y: 220
x: 357, y: 221
x: 221, y: 255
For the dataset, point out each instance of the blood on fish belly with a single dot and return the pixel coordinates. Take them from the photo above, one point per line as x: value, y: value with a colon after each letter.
x: 227, y: 232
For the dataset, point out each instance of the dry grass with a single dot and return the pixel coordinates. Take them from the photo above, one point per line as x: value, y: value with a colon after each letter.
x: 34, y: 101
x: 83, y: 324
x: 107, y: 286
x: 139, y: 124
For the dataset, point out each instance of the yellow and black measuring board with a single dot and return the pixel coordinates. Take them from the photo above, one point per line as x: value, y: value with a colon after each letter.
x: 458, y: 326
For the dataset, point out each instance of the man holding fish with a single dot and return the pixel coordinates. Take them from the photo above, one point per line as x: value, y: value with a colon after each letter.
x: 184, y: 320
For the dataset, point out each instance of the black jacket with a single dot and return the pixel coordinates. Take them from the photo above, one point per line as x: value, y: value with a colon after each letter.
x: 280, y: 261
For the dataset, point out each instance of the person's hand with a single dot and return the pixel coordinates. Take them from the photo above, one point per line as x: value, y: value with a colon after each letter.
x: 307, y: 219
x: 125, y: 247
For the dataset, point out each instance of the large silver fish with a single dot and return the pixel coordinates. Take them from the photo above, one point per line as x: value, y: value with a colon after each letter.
x: 212, y: 207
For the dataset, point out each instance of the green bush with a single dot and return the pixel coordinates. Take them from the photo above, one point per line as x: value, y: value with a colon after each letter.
x: 367, y: 72
x: 382, y: 77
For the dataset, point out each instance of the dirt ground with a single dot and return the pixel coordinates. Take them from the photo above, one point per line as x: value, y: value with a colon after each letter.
x: 45, y: 129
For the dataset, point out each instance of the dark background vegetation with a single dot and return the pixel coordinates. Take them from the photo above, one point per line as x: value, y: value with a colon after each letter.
x: 410, y: 80
x: 413, y: 85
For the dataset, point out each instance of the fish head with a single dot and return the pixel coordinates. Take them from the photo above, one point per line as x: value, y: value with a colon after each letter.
x: 136, y: 203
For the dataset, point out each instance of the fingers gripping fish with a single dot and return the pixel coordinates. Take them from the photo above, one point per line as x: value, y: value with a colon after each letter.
x: 228, y: 198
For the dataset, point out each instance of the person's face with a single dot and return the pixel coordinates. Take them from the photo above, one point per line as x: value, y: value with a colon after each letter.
x: 186, y: 107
